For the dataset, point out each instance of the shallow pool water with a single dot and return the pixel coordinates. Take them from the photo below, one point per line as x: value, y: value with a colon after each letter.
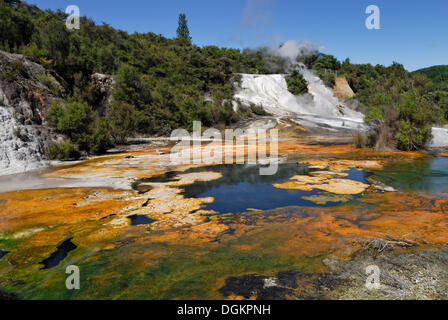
x: 56, y: 257
x: 242, y: 187
x: 137, y: 220
x: 421, y: 175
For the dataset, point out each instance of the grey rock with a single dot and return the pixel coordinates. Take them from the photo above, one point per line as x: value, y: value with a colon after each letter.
x: 23, y: 104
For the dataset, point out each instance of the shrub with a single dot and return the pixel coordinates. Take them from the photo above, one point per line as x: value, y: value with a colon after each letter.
x: 62, y: 151
x: 297, y: 85
x: 412, y: 138
x: 54, y: 113
x: 101, y: 139
x: 74, y: 119
x: 258, y: 110
x: 123, y: 119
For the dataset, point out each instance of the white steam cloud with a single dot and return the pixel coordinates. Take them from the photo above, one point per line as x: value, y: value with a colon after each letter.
x: 292, y: 49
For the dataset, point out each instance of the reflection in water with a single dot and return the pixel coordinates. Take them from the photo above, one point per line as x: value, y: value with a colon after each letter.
x: 242, y: 187
x: 422, y: 175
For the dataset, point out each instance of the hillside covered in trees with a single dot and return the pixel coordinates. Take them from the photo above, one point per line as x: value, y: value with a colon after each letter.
x: 400, y: 106
x: 438, y: 74
x: 161, y: 84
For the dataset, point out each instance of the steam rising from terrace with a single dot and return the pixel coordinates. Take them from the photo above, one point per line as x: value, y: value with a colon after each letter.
x: 319, y: 107
x: 292, y: 49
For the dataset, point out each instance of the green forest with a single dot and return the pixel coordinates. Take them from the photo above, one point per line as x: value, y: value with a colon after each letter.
x: 438, y: 74
x: 163, y: 84
x: 400, y: 106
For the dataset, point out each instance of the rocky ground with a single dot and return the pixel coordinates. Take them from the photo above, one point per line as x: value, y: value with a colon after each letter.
x: 404, y: 275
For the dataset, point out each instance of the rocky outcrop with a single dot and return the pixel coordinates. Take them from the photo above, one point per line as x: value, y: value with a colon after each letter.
x: 103, y: 85
x: 342, y: 90
x: 26, y: 91
x: 440, y: 138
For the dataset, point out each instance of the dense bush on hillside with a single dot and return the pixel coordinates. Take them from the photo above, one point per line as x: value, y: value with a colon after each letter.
x: 408, y: 104
x: 162, y: 84
x: 400, y: 106
x: 438, y: 75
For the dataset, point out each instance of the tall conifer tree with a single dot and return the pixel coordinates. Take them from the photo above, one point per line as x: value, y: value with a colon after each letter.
x: 183, y: 32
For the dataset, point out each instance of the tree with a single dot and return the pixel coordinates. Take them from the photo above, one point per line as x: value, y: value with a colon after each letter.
x: 123, y: 121
x: 183, y: 32
x: 101, y: 140
x: 297, y: 85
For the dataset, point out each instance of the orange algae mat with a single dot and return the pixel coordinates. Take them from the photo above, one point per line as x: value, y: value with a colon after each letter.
x: 292, y: 238
x: 183, y: 255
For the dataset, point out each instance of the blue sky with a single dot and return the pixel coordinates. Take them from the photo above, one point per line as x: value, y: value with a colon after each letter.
x: 413, y: 32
